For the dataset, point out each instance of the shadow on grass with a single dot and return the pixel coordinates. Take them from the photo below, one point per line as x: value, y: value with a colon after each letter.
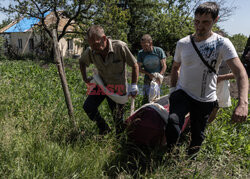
x: 138, y: 161
x: 133, y: 160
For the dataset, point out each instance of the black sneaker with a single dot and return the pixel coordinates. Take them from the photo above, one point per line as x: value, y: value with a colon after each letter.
x: 103, y: 127
x: 193, y: 152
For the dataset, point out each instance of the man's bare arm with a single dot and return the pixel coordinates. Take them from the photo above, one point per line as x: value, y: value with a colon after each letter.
x: 241, y: 111
x: 135, y: 73
x: 145, y: 72
x: 174, y: 74
x: 164, y: 66
x: 228, y: 76
x: 83, y: 72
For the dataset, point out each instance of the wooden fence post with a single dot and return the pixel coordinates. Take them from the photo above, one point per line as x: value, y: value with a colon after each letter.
x: 58, y: 59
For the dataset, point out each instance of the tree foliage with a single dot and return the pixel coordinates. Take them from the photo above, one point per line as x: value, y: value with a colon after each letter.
x: 113, y: 19
x: 239, y: 41
x: 166, y: 20
x: 39, y: 8
x: 108, y: 14
x: 162, y: 19
x: 5, y: 22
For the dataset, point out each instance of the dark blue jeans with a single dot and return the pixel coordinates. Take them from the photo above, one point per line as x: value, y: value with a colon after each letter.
x: 92, y: 103
x: 180, y: 105
x: 146, y: 87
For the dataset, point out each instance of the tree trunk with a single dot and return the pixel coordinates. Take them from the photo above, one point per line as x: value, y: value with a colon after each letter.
x: 58, y: 60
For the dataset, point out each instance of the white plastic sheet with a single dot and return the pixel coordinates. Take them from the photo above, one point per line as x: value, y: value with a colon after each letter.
x: 115, y: 97
x: 223, y: 94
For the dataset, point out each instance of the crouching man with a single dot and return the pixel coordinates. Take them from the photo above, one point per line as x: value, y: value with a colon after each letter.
x: 110, y: 58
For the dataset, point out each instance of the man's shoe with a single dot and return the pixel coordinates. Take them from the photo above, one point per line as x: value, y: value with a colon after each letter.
x: 103, y: 127
x: 193, y: 152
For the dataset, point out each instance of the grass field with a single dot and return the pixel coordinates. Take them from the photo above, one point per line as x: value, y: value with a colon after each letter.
x: 37, y: 138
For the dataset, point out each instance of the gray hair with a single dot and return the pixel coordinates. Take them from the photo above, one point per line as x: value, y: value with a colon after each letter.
x: 95, y: 30
x: 146, y: 37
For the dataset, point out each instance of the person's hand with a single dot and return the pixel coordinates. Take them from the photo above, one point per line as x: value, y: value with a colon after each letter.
x: 240, y: 113
x: 219, y: 79
x: 157, y: 80
x: 133, y: 90
x: 151, y: 76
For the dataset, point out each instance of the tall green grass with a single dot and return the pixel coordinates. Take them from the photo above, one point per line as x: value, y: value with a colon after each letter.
x: 37, y: 140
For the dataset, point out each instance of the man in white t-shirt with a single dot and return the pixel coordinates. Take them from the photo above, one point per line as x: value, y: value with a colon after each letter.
x: 193, y: 84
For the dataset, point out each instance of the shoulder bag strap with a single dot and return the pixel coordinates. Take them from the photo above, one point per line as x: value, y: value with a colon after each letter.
x: 200, y: 55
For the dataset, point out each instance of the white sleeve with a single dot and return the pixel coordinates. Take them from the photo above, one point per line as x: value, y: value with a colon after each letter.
x: 177, y: 55
x: 228, y: 51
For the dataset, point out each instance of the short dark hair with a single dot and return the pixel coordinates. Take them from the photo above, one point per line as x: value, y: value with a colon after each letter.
x: 247, y: 50
x: 208, y: 8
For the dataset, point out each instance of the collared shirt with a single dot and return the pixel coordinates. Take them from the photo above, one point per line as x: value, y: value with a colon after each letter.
x: 151, y: 61
x: 112, y: 69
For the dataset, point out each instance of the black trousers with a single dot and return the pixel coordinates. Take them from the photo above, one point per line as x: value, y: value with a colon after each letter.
x: 180, y: 105
x: 93, y: 102
x: 146, y: 87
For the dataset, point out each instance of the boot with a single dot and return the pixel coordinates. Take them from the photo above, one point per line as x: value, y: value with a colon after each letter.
x: 103, y: 127
x: 119, y: 128
x: 193, y: 152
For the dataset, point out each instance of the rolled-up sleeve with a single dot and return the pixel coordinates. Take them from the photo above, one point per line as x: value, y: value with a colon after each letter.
x: 129, y: 57
x: 228, y: 51
x: 86, y: 57
x: 177, y: 55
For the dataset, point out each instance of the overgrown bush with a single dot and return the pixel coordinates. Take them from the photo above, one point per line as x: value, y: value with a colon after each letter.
x: 169, y: 62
